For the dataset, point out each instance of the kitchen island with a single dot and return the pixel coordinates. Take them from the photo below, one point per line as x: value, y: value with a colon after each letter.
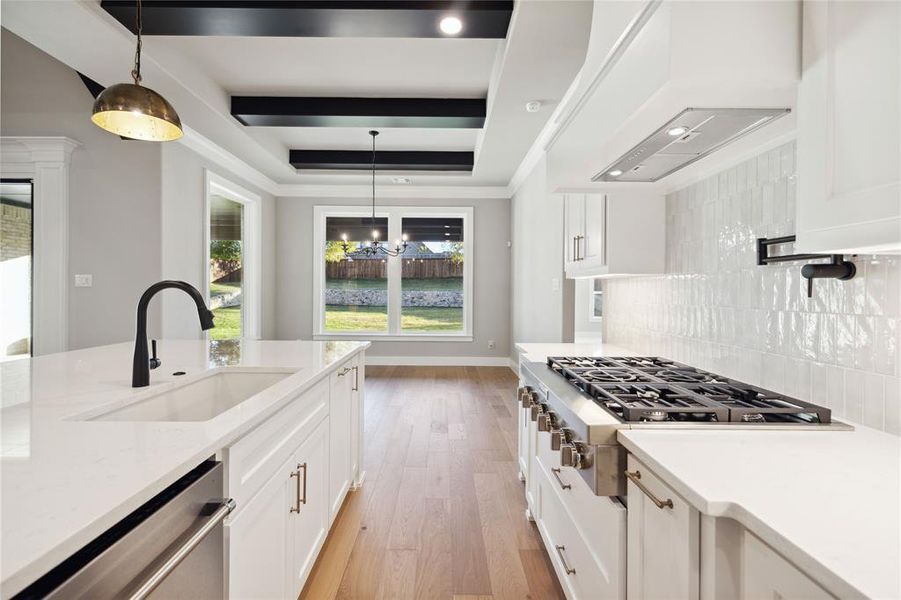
x: 70, y: 469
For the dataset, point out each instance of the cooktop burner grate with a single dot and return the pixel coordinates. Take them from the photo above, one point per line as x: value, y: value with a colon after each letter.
x: 654, y: 389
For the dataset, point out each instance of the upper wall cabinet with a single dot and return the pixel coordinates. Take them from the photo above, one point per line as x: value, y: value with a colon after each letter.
x: 614, y: 234
x: 649, y: 61
x: 849, y: 128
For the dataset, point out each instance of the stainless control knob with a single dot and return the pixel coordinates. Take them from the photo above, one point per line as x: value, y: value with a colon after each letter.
x: 519, y: 394
x: 571, y: 455
x: 546, y: 421
x: 538, y: 409
x: 556, y: 438
x: 529, y: 398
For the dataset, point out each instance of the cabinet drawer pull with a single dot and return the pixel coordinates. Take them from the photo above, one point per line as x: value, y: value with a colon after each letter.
x: 569, y: 570
x: 635, y: 477
x: 296, y: 507
x: 563, y: 486
x: 304, y: 499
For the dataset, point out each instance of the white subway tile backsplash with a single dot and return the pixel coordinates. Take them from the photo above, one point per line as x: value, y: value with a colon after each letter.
x: 716, y: 309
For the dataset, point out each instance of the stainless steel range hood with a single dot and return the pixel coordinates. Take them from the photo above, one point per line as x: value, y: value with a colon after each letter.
x: 689, y: 136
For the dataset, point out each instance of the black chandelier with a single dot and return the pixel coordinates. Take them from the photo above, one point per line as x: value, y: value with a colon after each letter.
x: 374, y: 248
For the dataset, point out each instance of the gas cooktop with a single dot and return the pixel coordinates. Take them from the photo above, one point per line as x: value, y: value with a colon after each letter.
x: 654, y: 389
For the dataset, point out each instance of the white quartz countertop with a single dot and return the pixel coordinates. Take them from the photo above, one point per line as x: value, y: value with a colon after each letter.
x: 826, y: 500
x: 63, y: 480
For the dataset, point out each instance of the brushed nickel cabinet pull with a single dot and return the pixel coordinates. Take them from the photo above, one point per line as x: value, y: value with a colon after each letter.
x: 579, y: 239
x: 356, y: 387
x: 304, y: 499
x: 563, y: 486
x: 569, y: 570
x: 635, y: 477
x: 296, y: 507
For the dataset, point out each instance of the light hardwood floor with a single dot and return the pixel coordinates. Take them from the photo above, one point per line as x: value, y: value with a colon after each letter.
x: 441, y: 511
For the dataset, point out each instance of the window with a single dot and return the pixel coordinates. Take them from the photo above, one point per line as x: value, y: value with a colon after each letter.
x: 233, y: 265
x: 16, y: 235
x: 424, y: 292
x: 596, y: 302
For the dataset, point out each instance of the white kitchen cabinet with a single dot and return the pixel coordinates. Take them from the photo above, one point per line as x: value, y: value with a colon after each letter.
x: 258, y: 544
x: 309, y: 518
x: 341, y: 396
x: 849, y: 128
x: 610, y: 234
x: 765, y: 574
x: 356, y: 422
x: 663, y: 559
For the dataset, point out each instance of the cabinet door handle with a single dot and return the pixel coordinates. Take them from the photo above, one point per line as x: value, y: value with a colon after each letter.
x: 563, y: 486
x: 296, y: 507
x: 635, y: 477
x: 356, y: 387
x: 573, y: 253
x: 304, y: 499
x: 569, y: 570
x: 580, y: 247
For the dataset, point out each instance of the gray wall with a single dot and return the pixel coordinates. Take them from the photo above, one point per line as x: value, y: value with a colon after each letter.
x: 114, y: 191
x: 491, y: 285
x: 540, y: 312
x: 183, y: 188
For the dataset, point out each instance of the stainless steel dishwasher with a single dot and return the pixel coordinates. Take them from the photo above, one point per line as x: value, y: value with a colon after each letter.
x: 171, y: 547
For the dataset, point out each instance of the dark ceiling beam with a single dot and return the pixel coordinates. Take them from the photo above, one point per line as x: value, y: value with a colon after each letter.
x: 276, y: 111
x: 315, y: 18
x: 385, y: 160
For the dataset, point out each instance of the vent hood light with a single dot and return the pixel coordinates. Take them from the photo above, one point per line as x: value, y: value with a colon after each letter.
x: 689, y: 136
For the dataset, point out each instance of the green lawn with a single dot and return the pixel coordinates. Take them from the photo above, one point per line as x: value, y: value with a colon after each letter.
x: 228, y: 323
x: 407, y: 285
x: 375, y: 318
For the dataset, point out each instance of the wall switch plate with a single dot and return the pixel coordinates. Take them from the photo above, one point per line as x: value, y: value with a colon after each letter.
x: 491, y: 344
x: 86, y: 280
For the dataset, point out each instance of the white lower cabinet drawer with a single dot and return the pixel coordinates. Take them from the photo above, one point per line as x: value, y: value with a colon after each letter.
x: 765, y: 574
x: 583, y: 573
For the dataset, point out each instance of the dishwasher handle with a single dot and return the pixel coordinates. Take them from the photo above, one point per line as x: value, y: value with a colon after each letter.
x: 174, y: 558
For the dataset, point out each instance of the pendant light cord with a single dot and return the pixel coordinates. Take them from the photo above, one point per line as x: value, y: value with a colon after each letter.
x: 139, y: 25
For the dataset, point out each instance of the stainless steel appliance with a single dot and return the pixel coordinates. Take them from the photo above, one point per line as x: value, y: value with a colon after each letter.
x: 583, y: 401
x: 169, y: 548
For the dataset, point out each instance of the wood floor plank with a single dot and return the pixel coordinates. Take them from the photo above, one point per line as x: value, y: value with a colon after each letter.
x: 441, y: 514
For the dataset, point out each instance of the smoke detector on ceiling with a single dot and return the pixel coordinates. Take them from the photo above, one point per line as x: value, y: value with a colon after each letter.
x: 533, y: 106
x: 402, y: 179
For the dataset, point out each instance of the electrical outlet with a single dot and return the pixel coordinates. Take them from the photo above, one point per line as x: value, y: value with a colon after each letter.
x: 491, y: 344
x: 86, y: 280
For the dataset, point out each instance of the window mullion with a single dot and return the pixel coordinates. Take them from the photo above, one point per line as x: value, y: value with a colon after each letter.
x: 394, y: 274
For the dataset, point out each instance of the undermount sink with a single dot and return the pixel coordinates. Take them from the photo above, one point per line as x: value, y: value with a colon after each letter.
x: 199, y: 400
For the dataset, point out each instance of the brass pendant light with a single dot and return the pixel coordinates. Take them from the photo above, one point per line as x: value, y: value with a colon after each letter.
x: 134, y: 111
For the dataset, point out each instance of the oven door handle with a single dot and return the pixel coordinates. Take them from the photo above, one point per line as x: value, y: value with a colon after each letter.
x: 176, y: 556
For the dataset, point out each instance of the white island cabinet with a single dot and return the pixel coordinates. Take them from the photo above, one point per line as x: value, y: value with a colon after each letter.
x: 849, y: 128
x: 290, y: 477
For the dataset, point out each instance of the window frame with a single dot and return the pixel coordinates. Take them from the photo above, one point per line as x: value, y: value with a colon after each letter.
x: 395, y: 215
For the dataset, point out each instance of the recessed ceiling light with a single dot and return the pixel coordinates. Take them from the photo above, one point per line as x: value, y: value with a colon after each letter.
x: 447, y: 234
x: 533, y: 106
x: 451, y: 25
x: 677, y: 131
x: 402, y: 180
x: 615, y: 173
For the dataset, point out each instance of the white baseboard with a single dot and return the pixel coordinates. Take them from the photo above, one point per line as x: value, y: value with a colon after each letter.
x: 439, y: 361
x: 514, y: 366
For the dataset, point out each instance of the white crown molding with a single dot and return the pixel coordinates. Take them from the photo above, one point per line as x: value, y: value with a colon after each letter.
x: 32, y: 149
x: 228, y: 161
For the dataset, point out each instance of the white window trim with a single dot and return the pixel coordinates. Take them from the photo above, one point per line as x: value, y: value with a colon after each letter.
x: 251, y: 233
x: 394, y: 215
x: 45, y: 160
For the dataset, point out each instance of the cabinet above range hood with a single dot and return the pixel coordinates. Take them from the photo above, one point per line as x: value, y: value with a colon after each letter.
x: 689, y: 136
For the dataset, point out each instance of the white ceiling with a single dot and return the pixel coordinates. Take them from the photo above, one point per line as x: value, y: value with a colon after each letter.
x: 544, y: 49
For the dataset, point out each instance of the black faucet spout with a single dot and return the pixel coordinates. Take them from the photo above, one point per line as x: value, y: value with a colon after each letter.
x: 140, y: 375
